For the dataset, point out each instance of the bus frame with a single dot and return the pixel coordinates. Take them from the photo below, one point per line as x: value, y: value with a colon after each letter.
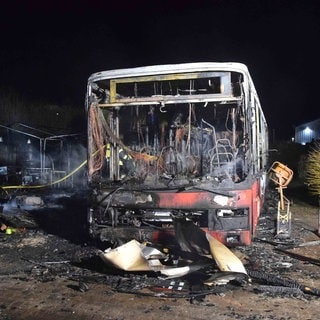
x: 175, y: 141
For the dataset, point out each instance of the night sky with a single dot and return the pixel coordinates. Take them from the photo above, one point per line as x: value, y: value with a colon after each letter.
x: 50, y: 48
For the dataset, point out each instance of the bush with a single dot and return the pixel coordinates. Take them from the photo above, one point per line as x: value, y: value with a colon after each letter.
x: 313, y: 169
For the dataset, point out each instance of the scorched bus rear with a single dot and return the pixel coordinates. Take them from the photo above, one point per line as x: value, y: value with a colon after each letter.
x: 171, y: 141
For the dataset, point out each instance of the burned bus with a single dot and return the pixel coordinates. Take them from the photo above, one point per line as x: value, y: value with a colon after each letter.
x: 175, y: 141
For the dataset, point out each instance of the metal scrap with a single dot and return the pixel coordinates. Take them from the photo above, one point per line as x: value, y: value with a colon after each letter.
x: 203, y: 253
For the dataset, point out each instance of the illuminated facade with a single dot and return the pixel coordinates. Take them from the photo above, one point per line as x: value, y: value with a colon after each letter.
x: 307, y: 132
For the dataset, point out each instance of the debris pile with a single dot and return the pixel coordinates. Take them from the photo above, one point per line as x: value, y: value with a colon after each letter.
x: 195, y: 266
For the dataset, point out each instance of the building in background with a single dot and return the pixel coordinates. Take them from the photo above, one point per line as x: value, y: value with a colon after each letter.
x: 307, y: 132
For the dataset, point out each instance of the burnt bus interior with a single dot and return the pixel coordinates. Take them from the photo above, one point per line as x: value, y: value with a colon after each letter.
x: 170, y: 131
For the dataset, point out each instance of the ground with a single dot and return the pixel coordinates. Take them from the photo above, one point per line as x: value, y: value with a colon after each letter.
x: 49, y: 269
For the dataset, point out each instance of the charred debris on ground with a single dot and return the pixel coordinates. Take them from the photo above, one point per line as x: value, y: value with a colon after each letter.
x: 64, y: 250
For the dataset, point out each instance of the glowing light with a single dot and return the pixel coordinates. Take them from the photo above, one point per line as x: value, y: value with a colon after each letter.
x: 307, y: 130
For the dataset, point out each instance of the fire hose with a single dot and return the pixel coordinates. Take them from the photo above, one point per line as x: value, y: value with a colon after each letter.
x: 135, y: 155
x: 281, y: 283
x: 49, y: 184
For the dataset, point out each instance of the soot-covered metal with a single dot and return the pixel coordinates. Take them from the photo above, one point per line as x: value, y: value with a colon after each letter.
x: 166, y: 141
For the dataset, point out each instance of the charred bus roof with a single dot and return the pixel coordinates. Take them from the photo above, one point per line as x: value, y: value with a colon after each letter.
x: 169, y: 69
x: 170, y: 84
